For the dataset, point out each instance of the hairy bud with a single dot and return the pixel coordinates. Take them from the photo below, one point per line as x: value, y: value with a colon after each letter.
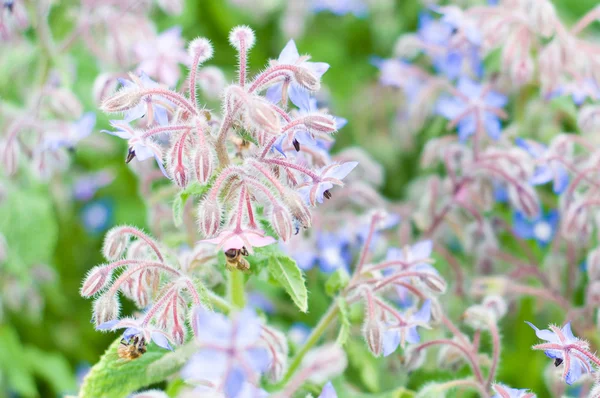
x: 212, y: 81
x: 10, y: 158
x: 373, y: 335
x: 307, y: 79
x: 281, y: 220
x: 262, y: 116
x: 65, y: 103
x: 542, y: 15
x: 242, y: 35
x: 320, y: 123
x: 178, y: 333
x: 203, y: 164
x: 209, y: 217
x: 179, y: 173
x: 122, y: 100
x: 524, y: 198
x: 115, y: 244
x: 200, y: 49
x: 106, y: 308
x: 521, y: 70
x: 298, y: 208
x: 104, y: 85
x: 497, y: 305
x: 96, y: 280
x: 407, y: 46
x: 278, y: 348
x: 325, y: 363
x: 479, y: 317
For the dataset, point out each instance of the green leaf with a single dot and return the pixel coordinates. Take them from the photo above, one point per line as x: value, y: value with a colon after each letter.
x: 337, y: 281
x: 286, y: 272
x: 344, y: 322
x: 13, y: 365
x: 178, y: 211
x: 113, y: 377
x: 51, y: 367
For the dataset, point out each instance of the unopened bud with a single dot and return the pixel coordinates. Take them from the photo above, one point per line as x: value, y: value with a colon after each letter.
x: 200, y: 50
x: 298, y: 208
x: 281, y: 220
x: 209, y: 217
x: 180, y: 175
x: 262, y: 116
x: 521, y: 70
x: 479, y: 317
x: 524, y: 198
x: 122, y: 100
x: 203, y: 164
x: 65, y: 103
x: 241, y: 35
x: 115, y: 244
x: 373, y: 335
x: 278, y: 348
x: 106, y: 308
x: 413, y: 358
x: 104, y: 85
x: 96, y: 280
x: 542, y: 15
x: 576, y: 225
x: 212, y: 81
x: 497, y: 305
x: 178, y: 333
x: 593, y: 264
x: 407, y: 46
x: 450, y: 357
x: 325, y: 362
x: 320, y: 123
x: 307, y: 79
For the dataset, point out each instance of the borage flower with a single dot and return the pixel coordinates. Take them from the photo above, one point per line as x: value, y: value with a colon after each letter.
x: 406, y: 329
x: 328, y: 391
x: 154, y: 108
x: 565, y: 349
x: 290, y: 56
x: 238, y: 237
x: 548, y: 168
x: 231, y: 354
x: 314, y: 191
x: 475, y: 108
x: 137, y: 327
x: 139, y: 147
x: 541, y: 228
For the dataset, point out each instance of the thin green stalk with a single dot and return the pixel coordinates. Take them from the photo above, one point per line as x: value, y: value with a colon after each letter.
x: 235, y: 289
x: 314, y: 337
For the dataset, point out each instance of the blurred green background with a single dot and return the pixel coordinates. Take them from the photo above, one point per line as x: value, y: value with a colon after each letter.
x: 39, y: 357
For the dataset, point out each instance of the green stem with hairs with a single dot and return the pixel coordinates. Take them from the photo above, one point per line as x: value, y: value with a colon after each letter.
x: 235, y: 289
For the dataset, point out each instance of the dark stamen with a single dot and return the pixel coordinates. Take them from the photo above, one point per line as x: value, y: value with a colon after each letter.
x: 327, y: 194
x: 296, y: 145
x: 557, y: 362
x: 130, y: 155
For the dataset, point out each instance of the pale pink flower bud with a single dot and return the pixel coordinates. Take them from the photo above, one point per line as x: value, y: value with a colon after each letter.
x: 450, y: 357
x: 96, y: 280
x: 496, y: 304
x: 479, y: 317
x: 209, y: 217
x: 281, y: 220
x: 104, y: 85
x: 593, y: 264
x: 242, y: 34
x: 212, y: 81
x: 407, y: 46
x: 307, y: 79
x: 65, y: 103
x: 576, y: 225
x: 122, y: 100
x: 325, y: 362
x: 524, y: 198
x: 588, y: 119
x: 115, y: 244
x: 521, y: 70
x: 203, y: 164
x: 373, y: 335
x: 179, y: 174
x: 10, y: 158
x: 278, y: 347
x: 178, y: 333
x: 320, y: 123
x: 200, y: 49
x: 542, y: 16
x: 413, y: 359
x: 106, y: 308
x: 262, y: 116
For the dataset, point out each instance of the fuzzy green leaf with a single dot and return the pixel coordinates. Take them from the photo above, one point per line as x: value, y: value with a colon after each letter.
x: 344, y: 322
x: 336, y: 282
x: 113, y: 377
x: 285, y: 271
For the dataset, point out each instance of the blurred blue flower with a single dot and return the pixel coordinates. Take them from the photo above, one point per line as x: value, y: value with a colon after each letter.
x: 341, y: 7
x: 579, y: 90
x: 548, y: 171
x: 407, y: 331
x: 447, y: 59
x: 75, y: 132
x: 503, y: 391
x: 290, y: 56
x: 542, y: 228
x: 473, y: 107
x: 97, y: 216
x: 86, y: 186
x: 334, y: 252
x: 561, y: 340
x: 500, y: 192
x: 298, y: 333
x: 257, y: 300
x: 328, y: 391
x: 231, y: 353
